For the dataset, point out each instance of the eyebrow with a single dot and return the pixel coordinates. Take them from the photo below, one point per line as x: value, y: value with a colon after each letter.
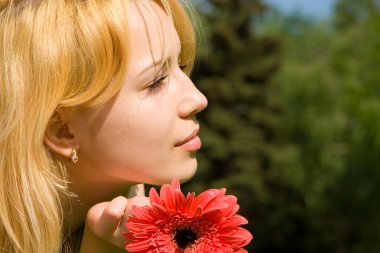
x: 153, y: 64
x: 160, y: 63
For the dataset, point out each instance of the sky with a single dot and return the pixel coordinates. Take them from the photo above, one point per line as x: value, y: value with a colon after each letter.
x: 312, y: 8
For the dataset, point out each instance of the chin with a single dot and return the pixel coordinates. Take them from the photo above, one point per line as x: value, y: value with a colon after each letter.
x: 187, y: 177
x: 182, y: 174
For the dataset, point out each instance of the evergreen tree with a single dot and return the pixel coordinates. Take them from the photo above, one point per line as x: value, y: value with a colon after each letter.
x: 352, y: 12
x: 234, y: 71
x: 329, y: 88
x: 299, y: 146
x: 355, y: 60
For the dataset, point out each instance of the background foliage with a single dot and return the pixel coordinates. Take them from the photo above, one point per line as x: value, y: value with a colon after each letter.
x: 293, y: 126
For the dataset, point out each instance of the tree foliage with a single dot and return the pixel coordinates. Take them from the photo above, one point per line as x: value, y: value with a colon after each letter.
x: 234, y: 72
x: 292, y: 126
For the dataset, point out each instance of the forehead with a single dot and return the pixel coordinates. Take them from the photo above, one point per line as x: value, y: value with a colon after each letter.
x: 153, y: 36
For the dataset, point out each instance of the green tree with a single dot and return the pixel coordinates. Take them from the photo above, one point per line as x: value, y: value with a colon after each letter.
x: 309, y: 133
x: 355, y: 60
x: 328, y: 85
x: 352, y: 12
x: 234, y: 71
x: 292, y: 126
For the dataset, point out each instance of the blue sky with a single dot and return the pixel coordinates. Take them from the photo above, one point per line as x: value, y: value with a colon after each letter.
x: 313, y: 8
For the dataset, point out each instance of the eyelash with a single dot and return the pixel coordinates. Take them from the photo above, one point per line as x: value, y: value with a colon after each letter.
x: 157, y: 84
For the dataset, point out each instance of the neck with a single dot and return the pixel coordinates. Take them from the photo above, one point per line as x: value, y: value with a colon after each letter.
x: 90, y: 193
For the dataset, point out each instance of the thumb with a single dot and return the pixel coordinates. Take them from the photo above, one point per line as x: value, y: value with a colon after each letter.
x: 136, y: 197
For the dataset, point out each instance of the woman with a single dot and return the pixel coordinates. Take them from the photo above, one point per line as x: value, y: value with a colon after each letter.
x: 95, y: 99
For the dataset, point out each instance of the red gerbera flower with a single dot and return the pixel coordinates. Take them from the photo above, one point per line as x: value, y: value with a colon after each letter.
x: 174, y: 223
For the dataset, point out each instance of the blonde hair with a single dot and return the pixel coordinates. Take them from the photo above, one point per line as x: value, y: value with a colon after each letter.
x: 55, y: 53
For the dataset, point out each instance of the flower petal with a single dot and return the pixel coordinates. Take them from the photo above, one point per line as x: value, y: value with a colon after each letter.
x: 175, y: 184
x: 160, y: 211
x: 205, y: 198
x: 154, y: 197
x: 138, y: 247
x: 240, y: 238
x: 189, y: 202
x: 211, y: 214
x: 198, y: 212
x: 234, y: 222
x: 142, y: 213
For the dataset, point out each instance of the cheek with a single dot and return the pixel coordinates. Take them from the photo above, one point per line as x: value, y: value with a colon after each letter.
x: 128, y: 144
x: 123, y: 137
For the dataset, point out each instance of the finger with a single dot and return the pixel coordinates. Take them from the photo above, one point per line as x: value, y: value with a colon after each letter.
x: 138, y: 201
x: 135, y: 201
x: 136, y: 197
x: 136, y: 190
x: 119, y: 238
x: 111, y: 216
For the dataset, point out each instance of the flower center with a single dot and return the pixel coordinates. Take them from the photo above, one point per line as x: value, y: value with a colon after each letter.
x: 185, y: 237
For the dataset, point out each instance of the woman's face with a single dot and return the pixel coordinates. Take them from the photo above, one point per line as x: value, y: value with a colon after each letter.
x: 148, y: 132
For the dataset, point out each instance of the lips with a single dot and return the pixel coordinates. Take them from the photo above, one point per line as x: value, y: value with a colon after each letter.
x: 192, y: 142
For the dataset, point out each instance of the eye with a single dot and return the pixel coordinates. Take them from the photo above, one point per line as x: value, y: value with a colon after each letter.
x: 157, y: 84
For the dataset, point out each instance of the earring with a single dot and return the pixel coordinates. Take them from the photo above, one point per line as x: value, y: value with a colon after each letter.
x: 74, y: 156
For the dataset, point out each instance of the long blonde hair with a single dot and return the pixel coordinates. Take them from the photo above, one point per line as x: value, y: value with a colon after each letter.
x: 55, y: 53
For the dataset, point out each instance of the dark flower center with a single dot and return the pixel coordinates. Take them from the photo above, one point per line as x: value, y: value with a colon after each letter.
x: 185, y: 237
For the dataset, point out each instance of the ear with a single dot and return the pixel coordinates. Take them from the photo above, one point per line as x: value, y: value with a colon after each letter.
x: 58, y: 137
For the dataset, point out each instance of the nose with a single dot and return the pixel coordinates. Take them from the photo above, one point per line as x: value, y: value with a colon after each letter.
x: 192, y: 100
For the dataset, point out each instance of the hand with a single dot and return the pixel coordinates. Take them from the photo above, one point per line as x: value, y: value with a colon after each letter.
x: 105, y: 222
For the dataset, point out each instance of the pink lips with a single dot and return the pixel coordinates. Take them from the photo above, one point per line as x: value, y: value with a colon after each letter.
x: 191, y: 143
